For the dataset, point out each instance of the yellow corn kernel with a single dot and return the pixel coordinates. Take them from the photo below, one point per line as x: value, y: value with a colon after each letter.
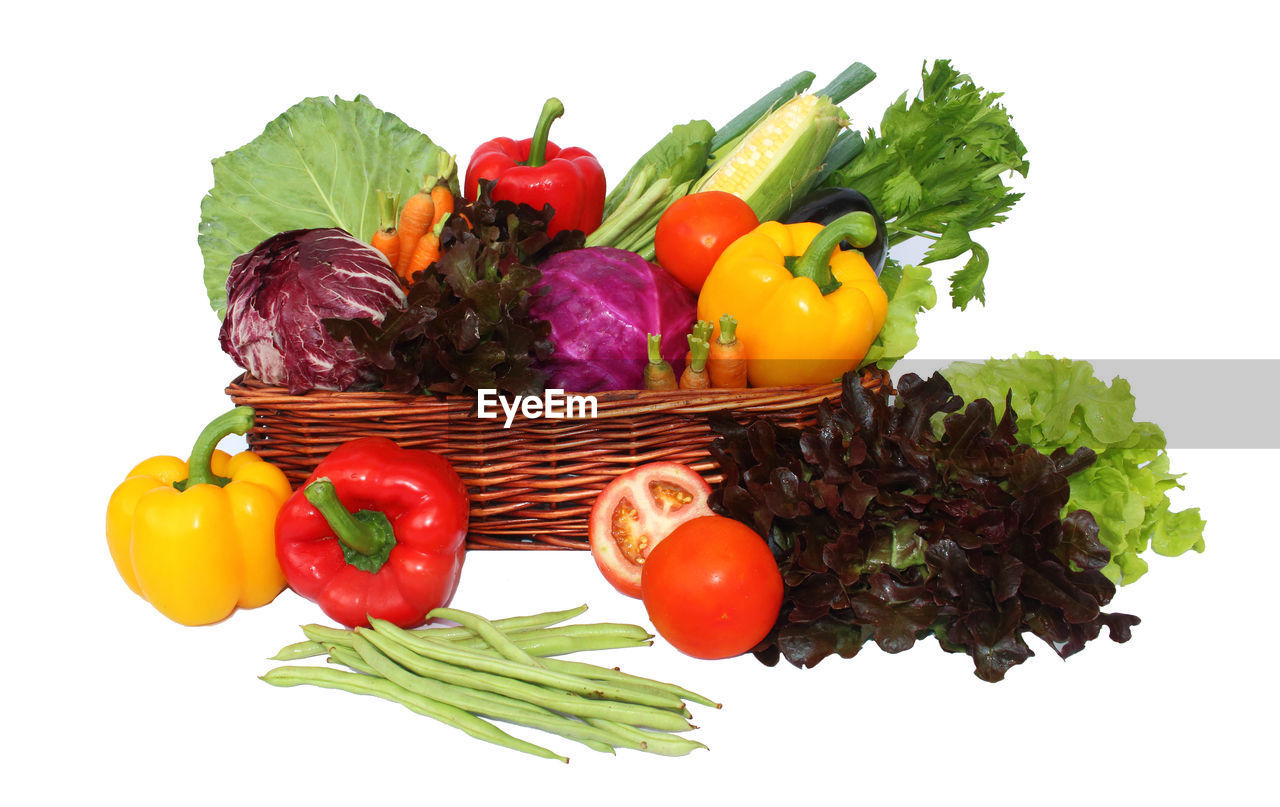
x: 759, y: 148
x: 777, y: 161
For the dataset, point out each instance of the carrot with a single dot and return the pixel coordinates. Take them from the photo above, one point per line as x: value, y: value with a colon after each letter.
x: 701, y: 330
x: 442, y: 198
x: 728, y: 362
x: 420, y: 215
x: 658, y: 374
x: 387, y: 240
x: 415, y: 221
x: 695, y: 373
x: 425, y: 252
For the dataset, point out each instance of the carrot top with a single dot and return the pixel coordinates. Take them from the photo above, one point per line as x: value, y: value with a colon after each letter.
x: 388, y: 210
x: 699, y: 349
x: 702, y: 330
x: 728, y: 330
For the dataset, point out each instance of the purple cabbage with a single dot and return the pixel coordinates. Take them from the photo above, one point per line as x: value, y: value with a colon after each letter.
x: 601, y: 303
x: 278, y: 293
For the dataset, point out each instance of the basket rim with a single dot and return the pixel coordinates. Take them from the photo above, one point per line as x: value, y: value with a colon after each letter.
x: 616, y: 403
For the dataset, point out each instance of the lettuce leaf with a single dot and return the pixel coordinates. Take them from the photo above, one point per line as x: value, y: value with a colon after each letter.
x: 1060, y: 403
x: 320, y: 164
x: 910, y: 292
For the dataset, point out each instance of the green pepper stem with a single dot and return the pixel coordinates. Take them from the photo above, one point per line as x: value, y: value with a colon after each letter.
x: 728, y: 330
x: 349, y: 530
x: 199, y: 469
x: 551, y: 110
x: 858, y: 228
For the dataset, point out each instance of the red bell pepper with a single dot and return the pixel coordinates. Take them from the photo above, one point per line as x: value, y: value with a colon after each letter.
x: 378, y: 530
x: 538, y: 172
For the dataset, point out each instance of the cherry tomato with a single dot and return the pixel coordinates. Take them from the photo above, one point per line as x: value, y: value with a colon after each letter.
x: 636, y: 512
x: 695, y: 229
x: 712, y: 588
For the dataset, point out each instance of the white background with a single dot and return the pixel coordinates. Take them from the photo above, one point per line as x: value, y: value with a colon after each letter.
x: 1147, y: 232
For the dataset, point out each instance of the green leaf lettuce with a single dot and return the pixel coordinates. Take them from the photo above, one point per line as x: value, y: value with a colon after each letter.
x: 910, y: 292
x: 1061, y: 403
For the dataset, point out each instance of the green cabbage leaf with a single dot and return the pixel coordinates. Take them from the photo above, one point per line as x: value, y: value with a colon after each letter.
x: 320, y: 164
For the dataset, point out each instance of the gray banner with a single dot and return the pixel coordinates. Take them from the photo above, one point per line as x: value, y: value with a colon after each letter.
x: 1218, y: 403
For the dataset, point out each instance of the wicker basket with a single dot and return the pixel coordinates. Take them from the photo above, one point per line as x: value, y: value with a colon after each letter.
x: 531, y: 485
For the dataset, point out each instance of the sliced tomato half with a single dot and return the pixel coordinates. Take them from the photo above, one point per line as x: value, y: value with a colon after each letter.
x: 636, y: 511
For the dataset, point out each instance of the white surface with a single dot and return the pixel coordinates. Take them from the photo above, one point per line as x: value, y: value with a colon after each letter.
x: 1150, y: 199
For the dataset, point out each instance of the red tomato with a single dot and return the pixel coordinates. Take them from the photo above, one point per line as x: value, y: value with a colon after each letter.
x: 636, y: 512
x: 695, y: 229
x: 712, y: 588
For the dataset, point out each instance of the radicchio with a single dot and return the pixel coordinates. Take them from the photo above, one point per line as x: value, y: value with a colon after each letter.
x: 278, y: 293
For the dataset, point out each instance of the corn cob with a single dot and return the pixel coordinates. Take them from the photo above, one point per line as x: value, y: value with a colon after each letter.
x: 778, y: 160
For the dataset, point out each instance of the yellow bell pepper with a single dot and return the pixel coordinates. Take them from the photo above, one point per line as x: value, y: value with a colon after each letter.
x: 197, y: 540
x: 807, y: 312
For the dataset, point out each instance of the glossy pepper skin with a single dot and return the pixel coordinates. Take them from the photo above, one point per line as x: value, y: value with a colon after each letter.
x: 537, y: 172
x: 197, y: 539
x: 807, y: 312
x: 378, y: 530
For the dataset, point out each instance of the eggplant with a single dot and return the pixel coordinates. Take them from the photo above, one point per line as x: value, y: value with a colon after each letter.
x: 828, y: 204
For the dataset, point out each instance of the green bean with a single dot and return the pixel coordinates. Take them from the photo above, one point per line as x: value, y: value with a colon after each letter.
x: 568, y: 639
x: 299, y: 650
x: 494, y: 706
x: 557, y: 641
x: 559, y: 645
x: 656, y: 742
x: 446, y: 652
x: 535, y: 641
x: 513, y: 623
x: 355, y: 660
x: 486, y: 630
x: 563, y: 638
x: 367, y: 685
x: 327, y: 636
x: 350, y: 658
x: 560, y: 701
x: 596, y: 673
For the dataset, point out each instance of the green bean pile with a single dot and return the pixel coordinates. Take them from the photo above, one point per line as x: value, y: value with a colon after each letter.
x: 504, y: 670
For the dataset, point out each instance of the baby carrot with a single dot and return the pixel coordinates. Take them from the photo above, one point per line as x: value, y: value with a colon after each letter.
x: 415, y: 221
x: 701, y: 330
x: 695, y: 373
x: 442, y: 199
x: 658, y: 374
x: 728, y: 362
x: 420, y: 216
x: 387, y: 240
x: 426, y: 252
